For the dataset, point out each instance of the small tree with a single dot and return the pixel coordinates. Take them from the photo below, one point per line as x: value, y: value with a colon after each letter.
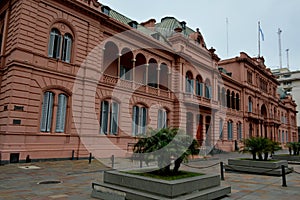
x: 164, y: 145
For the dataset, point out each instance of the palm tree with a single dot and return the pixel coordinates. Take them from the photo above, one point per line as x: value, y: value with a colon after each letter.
x: 295, y: 147
x: 260, y: 147
x: 163, y: 146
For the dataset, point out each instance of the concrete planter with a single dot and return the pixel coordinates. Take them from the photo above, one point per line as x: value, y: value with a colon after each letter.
x: 127, y: 186
x: 260, y: 167
x: 286, y: 157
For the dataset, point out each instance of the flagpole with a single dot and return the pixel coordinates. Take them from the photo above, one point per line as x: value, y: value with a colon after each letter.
x: 258, y: 39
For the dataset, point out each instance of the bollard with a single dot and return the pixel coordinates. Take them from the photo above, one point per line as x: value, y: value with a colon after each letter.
x: 283, y: 176
x: 90, y: 158
x: 73, y: 154
x: 112, y: 161
x: 222, y: 171
x: 141, y: 161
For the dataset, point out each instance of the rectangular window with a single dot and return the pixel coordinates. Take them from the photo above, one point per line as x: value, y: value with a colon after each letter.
x: 47, y: 109
x: 249, y: 77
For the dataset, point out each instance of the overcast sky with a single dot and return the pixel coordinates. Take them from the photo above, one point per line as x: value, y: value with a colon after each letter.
x: 243, y: 16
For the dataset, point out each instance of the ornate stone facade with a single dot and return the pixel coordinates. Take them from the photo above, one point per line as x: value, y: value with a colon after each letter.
x: 78, y: 77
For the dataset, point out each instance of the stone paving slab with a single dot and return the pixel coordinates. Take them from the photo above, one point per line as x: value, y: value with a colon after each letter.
x: 77, y: 176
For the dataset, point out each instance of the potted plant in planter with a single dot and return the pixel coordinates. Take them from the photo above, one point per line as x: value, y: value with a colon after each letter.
x: 167, y: 144
x: 161, y: 146
x: 260, y: 148
x: 294, y: 150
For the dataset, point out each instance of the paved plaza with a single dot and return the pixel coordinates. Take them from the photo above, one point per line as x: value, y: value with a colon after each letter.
x: 24, y: 181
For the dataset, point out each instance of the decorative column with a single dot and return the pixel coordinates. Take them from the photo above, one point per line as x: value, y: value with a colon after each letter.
x: 119, y: 65
x: 133, y: 72
x: 158, y: 75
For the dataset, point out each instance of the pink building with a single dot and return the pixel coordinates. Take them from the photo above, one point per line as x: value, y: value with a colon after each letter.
x: 78, y: 77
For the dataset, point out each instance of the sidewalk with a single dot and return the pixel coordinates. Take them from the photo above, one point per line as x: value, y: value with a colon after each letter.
x: 20, y: 181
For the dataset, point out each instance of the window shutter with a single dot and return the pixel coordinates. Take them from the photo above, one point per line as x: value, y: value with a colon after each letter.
x: 47, y: 109
x: 164, y: 119
x: 44, y: 112
x: 187, y: 88
x: 209, y: 92
x: 143, y: 120
x: 57, y: 46
x: 51, y: 44
x: 104, y: 117
x: 201, y: 89
x: 68, y: 48
x: 114, y: 118
x: 61, y: 113
x: 159, y: 119
x: 135, y: 115
x: 192, y: 86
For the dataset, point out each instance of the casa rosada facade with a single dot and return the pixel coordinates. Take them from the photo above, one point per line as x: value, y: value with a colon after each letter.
x: 77, y: 77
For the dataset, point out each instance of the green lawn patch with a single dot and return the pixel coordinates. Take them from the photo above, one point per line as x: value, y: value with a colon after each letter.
x: 258, y: 160
x: 288, y: 155
x: 170, y: 177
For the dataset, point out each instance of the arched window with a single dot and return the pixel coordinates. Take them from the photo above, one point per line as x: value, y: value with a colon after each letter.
x: 229, y: 130
x: 208, y: 90
x: 199, y: 86
x: 249, y: 104
x: 239, y: 131
x: 60, y: 47
x: 139, y: 119
x: 228, y: 98
x: 232, y: 100
x: 189, y: 83
x: 237, y: 99
x: 109, y: 117
x: 54, y: 44
x: 48, y: 108
x: 162, y: 119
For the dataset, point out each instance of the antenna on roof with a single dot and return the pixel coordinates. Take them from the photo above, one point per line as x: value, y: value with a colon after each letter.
x: 279, y: 43
x: 227, y: 36
x: 287, y: 58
